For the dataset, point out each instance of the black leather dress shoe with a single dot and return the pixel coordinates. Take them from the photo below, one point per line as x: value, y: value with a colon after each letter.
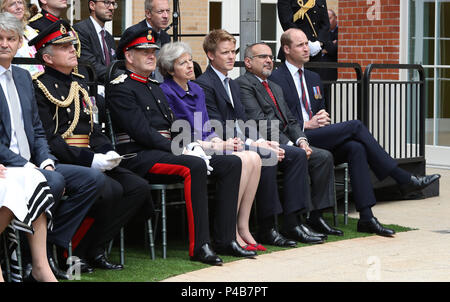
x: 206, y: 255
x: 320, y: 225
x: 85, y: 268
x: 234, y: 249
x: 59, y: 274
x: 273, y: 237
x: 309, y: 231
x: 418, y: 183
x: 101, y: 262
x: 298, y: 234
x: 373, y: 226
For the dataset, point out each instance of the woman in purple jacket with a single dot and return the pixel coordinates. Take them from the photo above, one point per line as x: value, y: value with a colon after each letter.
x: 187, y: 101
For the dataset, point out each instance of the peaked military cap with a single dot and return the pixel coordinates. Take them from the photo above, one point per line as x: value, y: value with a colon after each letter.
x: 59, y: 32
x: 136, y: 37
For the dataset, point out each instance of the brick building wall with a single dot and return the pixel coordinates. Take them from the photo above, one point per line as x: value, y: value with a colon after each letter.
x: 369, y: 33
x: 194, y: 20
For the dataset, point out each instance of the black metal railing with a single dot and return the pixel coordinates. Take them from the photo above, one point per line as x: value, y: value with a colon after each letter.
x: 395, y: 110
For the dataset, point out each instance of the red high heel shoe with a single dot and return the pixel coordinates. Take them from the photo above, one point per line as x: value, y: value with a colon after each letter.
x: 249, y: 247
x: 257, y: 246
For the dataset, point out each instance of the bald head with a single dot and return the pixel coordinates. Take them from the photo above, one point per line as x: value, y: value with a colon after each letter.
x: 295, y: 46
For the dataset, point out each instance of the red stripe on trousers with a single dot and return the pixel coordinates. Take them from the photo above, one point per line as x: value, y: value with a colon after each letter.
x: 171, y: 169
x: 79, y: 234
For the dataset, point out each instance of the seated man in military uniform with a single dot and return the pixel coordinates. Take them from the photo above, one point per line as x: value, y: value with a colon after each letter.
x: 143, y: 119
x: 67, y: 113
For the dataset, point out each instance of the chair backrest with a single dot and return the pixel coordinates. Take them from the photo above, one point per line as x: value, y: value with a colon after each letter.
x: 110, y: 73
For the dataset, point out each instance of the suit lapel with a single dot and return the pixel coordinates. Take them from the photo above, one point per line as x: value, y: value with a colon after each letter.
x: 5, y: 116
x: 262, y: 90
x: 309, y: 86
x: 292, y: 90
x: 24, y: 103
x: 220, y: 88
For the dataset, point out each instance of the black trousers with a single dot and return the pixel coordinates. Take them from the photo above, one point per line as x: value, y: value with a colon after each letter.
x: 192, y: 171
x: 352, y: 142
x: 123, y: 195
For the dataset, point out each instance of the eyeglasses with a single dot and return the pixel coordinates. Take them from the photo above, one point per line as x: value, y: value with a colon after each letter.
x: 16, y: 3
x: 109, y: 3
x: 264, y: 57
x: 162, y: 11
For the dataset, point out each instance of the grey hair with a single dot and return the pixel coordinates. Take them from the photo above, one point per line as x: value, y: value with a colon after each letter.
x: 168, y: 54
x: 148, y: 5
x: 8, y: 22
x: 249, y: 50
x: 47, y: 50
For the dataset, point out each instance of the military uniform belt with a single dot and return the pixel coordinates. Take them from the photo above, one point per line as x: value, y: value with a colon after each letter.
x: 123, y: 138
x: 78, y: 140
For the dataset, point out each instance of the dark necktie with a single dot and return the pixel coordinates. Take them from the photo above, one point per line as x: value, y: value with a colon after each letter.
x: 266, y: 85
x: 303, y: 98
x: 105, y: 48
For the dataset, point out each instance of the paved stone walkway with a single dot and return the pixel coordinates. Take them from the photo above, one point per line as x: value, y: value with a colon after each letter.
x: 419, y: 255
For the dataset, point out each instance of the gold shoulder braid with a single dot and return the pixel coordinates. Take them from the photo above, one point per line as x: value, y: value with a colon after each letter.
x: 74, y: 95
x: 303, y: 11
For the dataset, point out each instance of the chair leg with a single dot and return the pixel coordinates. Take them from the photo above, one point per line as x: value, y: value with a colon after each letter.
x: 163, y: 218
x: 7, y: 263
x: 346, y: 195
x: 110, y: 245
x: 19, y: 253
x: 122, y: 246
x: 150, y: 238
x: 335, y: 212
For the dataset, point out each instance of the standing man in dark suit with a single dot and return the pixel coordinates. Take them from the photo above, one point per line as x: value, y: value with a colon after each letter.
x: 224, y: 105
x: 263, y: 101
x: 76, y: 139
x: 157, y: 17
x: 330, y: 49
x: 143, y: 120
x: 349, y: 141
x: 311, y: 16
x: 23, y: 144
x: 97, y: 44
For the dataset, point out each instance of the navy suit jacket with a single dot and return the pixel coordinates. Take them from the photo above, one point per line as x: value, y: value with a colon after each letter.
x: 33, y: 127
x: 283, y: 77
x: 218, y: 102
x: 91, y: 50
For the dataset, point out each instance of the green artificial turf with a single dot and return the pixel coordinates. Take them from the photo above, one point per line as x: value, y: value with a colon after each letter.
x: 139, y: 267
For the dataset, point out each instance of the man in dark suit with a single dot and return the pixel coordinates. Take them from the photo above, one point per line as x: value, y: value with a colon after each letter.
x: 97, y: 44
x: 349, y: 141
x: 263, y: 101
x: 76, y: 139
x: 224, y: 105
x: 23, y: 143
x: 311, y: 17
x: 149, y: 134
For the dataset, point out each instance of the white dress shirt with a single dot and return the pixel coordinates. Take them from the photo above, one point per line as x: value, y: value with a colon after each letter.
x: 296, y: 76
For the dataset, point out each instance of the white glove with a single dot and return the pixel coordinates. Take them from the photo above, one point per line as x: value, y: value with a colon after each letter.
x: 114, y: 158
x: 314, y: 48
x: 101, y: 162
x: 195, y: 149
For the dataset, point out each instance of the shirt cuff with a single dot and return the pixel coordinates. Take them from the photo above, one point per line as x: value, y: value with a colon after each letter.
x: 29, y: 165
x: 297, y: 143
x: 46, y: 163
x: 290, y: 143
